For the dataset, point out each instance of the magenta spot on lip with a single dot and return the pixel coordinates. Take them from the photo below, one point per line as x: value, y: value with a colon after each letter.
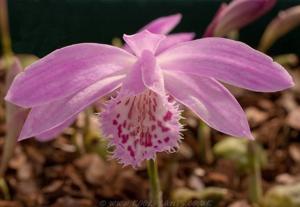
x: 126, y: 103
x: 131, y: 107
x: 142, y: 127
x: 168, y: 116
x: 154, y: 101
x: 163, y: 128
x: 125, y: 138
x: 130, y: 151
x: 133, y: 133
x: 148, y: 140
x: 119, y: 130
x: 136, y: 142
x: 153, y: 127
x: 151, y: 116
x: 170, y: 99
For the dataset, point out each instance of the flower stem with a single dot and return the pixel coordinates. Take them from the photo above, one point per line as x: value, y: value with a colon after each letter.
x: 87, y: 125
x: 4, y: 189
x: 155, y: 192
x: 205, y: 151
x: 4, y: 33
x: 255, y: 185
x: 10, y: 139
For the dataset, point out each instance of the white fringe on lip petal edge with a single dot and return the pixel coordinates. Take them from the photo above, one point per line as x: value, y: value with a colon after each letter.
x: 140, y: 126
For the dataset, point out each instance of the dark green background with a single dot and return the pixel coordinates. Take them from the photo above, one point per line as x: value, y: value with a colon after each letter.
x: 40, y: 26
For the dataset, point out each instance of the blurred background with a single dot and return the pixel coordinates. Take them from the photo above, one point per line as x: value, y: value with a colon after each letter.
x: 40, y: 26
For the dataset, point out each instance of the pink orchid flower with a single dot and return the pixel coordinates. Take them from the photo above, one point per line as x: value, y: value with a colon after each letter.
x: 142, y: 120
x: 236, y: 15
x: 162, y: 25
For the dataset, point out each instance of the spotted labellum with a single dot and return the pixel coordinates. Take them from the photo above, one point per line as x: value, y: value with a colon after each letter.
x: 143, y: 118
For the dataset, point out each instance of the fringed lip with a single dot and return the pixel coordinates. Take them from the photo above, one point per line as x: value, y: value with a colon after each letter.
x: 140, y: 126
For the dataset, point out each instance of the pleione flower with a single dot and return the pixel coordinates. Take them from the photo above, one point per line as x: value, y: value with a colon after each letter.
x: 162, y: 25
x: 143, y: 118
x: 237, y: 14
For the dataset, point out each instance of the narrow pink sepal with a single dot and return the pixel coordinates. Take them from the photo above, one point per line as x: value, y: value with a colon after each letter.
x: 211, y: 101
x: 44, y: 118
x: 163, y: 25
x: 227, y: 60
x: 53, y: 133
x: 67, y: 71
x: 173, y: 39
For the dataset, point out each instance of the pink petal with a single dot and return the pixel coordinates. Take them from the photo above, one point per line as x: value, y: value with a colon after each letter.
x: 239, y: 13
x: 133, y: 82
x: 211, y: 101
x: 52, y: 133
x: 144, y: 40
x: 66, y: 71
x: 174, y: 39
x: 140, y: 126
x: 49, y: 116
x: 144, y: 74
x: 230, y: 61
x: 152, y: 74
x: 163, y: 25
